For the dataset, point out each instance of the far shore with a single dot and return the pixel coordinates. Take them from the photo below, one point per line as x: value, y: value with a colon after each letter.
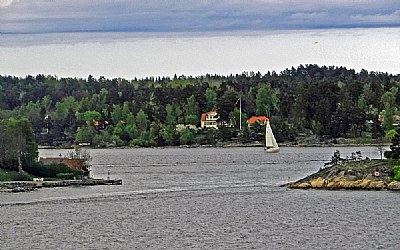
x: 235, y: 144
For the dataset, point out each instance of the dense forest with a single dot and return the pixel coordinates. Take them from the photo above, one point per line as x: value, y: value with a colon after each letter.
x: 325, y: 102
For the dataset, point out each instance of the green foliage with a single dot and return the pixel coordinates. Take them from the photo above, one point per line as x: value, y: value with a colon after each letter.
x: 186, y: 137
x: 191, y: 111
x: 192, y: 119
x: 65, y: 176
x: 167, y: 133
x: 8, y: 175
x: 61, y: 111
x: 85, y: 134
x: 394, y: 152
x: 235, y: 118
x: 390, y: 134
x: 146, y: 139
x: 91, y: 116
x: 142, y: 121
x: 361, y: 103
x: 121, y: 113
x: 328, y: 101
x: 16, y: 142
x: 395, y: 173
x: 103, y: 139
x: 244, y: 135
x: 51, y: 170
x: 31, y: 111
x: 173, y: 112
x: 179, y: 83
x: 211, y: 99
x: 267, y: 101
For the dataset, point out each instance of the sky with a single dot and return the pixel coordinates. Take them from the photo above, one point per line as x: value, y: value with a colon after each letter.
x: 42, y: 16
x: 140, y: 38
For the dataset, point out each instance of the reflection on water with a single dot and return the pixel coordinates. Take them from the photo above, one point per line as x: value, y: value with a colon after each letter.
x: 202, y: 198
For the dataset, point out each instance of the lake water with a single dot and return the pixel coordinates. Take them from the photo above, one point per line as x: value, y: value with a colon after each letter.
x: 201, y: 198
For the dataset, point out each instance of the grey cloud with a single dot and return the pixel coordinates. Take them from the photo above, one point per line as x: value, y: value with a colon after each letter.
x: 393, y: 17
x: 308, y: 16
x: 192, y: 15
x: 5, y: 3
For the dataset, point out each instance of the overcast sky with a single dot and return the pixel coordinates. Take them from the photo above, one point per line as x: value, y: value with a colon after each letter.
x: 139, y: 38
x: 43, y: 16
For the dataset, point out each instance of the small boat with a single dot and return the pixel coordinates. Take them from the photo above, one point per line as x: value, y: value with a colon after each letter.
x: 271, y: 146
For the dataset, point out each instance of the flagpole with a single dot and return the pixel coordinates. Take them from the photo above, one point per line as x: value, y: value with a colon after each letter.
x: 240, y: 115
x: 240, y: 112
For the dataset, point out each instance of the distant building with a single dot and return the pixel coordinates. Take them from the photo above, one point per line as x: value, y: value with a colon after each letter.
x: 100, y: 125
x: 210, y: 119
x: 79, y: 164
x: 395, y: 119
x: 261, y: 120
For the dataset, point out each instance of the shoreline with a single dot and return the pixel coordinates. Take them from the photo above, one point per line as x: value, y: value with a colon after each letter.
x: 350, y: 175
x: 233, y: 144
x: 340, y: 183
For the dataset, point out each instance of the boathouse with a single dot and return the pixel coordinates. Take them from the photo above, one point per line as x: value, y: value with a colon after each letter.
x: 79, y: 164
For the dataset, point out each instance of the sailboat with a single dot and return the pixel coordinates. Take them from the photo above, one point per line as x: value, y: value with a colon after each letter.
x: 270, y: 143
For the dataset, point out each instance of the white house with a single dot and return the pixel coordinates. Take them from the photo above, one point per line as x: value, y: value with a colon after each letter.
x: 209, y: 119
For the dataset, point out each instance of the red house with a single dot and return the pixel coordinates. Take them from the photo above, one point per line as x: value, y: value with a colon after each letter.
x: 257, y: 119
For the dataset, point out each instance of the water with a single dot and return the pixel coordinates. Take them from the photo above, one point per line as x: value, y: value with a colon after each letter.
x: 201, y: 198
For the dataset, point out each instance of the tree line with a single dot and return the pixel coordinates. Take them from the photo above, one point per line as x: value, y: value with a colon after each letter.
x: 328, y: 102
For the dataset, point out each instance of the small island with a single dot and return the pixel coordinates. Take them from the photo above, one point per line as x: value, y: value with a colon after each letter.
x: 21, y: 168
x: 354, y: 173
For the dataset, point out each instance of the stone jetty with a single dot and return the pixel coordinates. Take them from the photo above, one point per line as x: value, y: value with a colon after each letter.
x: 26, y: 186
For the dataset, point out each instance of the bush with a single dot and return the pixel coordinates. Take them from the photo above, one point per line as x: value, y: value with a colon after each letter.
x: 396, y: 173
x: 51, y: 170
x: 65, y: 176
x: 186, y: 137
x: 8, y: 175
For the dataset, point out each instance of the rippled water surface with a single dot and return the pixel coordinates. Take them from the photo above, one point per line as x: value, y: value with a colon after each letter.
x: 201, y: 198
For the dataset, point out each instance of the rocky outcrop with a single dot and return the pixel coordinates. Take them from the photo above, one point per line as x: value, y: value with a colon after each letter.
x: 343, y: 183
x: 350, y: 175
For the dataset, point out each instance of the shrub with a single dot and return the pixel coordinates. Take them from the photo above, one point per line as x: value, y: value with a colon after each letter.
x: 51, y: 170
x: 65, y: 176
x: 394, y: 152
x: 396, y: 173
x: 8, y: 175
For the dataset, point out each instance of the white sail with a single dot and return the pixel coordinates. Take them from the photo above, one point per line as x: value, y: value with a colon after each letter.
x: 271, y: 145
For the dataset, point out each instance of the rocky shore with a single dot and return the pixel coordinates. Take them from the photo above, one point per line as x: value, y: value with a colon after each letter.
x: 354, y: 174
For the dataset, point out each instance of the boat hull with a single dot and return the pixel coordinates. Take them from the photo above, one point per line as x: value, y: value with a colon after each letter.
x: 271, y: 150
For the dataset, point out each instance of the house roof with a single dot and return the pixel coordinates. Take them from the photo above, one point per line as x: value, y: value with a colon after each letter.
x: 260, y: 119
